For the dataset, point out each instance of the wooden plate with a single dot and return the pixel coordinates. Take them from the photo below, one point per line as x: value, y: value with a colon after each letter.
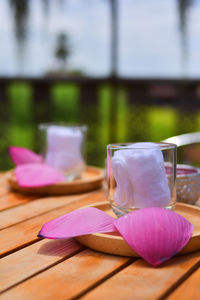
x: 113, y: 243
x: 91, y: 179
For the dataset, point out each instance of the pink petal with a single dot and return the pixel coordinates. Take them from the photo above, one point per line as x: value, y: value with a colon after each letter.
x: 156, y: 234
x: 79, y: 222
x: 36, y: 175
x: 21, y: 156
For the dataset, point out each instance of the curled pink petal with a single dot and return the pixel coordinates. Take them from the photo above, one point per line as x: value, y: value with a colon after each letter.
x: 36, y: 175
x: 79, y: 222
x: 21, y: 156
x: 156, y: 234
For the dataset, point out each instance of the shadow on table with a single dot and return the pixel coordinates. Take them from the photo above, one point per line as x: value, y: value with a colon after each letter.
x: 59, y: 247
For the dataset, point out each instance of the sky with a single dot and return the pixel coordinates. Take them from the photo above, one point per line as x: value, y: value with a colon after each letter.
x: 149, y: 38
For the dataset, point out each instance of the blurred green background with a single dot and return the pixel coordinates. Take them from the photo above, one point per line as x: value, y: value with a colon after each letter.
x: 131, y: 123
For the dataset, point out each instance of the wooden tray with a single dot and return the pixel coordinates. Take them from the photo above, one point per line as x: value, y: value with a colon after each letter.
x: 91, y: 179
x: 113, y: 243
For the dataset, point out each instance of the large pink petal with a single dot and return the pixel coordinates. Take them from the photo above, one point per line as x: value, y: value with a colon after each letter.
x: 21, y: 156
x: 36, y: 175
x: 156, y: 234
x: 79, y: 222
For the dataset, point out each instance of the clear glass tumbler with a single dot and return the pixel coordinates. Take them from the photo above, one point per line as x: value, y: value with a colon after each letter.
x: 62, y: 147
x: 141, y: 175
x: 187, y: 183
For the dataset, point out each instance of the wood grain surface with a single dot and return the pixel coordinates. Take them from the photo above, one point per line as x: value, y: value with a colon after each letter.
x: 32, y: 208
x: 33, y: 268
x: 144, y: 281
x: 11, y: 199
x: 26, y: 231
x: 34, y: 259
x: 69, y: 278
x: 189, y: 289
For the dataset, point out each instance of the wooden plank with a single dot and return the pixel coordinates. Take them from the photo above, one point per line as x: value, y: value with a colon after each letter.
x: 189, y: 289
x: 142, y: 281
x: 26, y: 232
x: 69, y: 278
x: 13, y: 199
x: 4, y: 187
x: 3, y: 177
x: 25, y: 263
x: 33, y: 208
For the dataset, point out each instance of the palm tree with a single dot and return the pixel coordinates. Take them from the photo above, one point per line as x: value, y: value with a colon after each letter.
x: 114, y: 37
x: 62, y: 49
x: 20, y: 10
x: 183, y: 10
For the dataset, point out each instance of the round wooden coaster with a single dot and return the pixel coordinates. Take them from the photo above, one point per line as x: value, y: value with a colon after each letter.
x: 113, y: 243
x: 91, y: 179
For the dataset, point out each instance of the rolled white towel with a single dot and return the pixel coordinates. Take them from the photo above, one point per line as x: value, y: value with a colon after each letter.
x: 140, y: 176
x: 124, y: 190
x: 64, y: 146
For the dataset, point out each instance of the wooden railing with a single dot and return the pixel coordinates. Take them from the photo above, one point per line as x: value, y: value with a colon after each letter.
x: 182, y: 94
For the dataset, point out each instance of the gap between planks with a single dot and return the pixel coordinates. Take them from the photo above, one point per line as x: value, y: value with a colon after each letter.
x: 11, y: 200
x: 101, y: 276
x: 108, y: 276
x: 190, y: 287
x: 143, y: 281
x: 180, y: 281
x: 26, y: 231
x: 35, y: 208
x: 63, y: 249
x: 86, y: 268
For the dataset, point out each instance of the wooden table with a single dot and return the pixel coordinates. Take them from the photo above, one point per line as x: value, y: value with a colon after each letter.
x: 33, y: 268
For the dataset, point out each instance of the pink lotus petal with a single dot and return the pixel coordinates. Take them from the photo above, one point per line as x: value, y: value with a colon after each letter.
x: 79, y: 222
x: 21, y: 156
x: 36, y: 175
x: 156, y: 234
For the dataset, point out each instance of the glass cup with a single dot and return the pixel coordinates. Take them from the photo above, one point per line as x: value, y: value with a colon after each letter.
x: 62, y: 147
x: 141, y: 175
x: 187, y: 183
